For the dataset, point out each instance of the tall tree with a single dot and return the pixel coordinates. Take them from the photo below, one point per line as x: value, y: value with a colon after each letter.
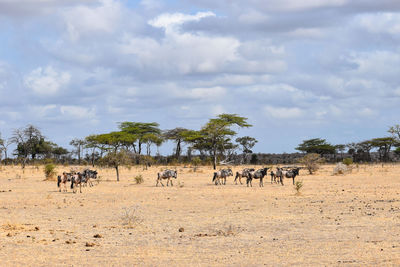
x: 78, y: 144
x: 247, y: 143
x: 215, y: 136
x: 384, y: 145
x: 140, y: 133
x: 28, y: 141
x: 178, y: 136
x: 116, y: 144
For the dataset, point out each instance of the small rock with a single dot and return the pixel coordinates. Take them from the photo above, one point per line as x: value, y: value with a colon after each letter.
x: 89, y: 244
x: 181, y: 230
x: 97, y: 236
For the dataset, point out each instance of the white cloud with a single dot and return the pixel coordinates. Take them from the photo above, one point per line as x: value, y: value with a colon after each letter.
x: 170, y: 22
x: 77, y: 112
x: 181, y: 53
x: 380, y: 22
x: 83, y: 20
x: 46, y: 81
x: 42, y: 111
x: 282, y: 112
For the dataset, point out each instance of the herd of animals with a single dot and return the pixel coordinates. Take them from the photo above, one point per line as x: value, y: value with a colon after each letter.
x: 76, y: 178
x: 219, y: 178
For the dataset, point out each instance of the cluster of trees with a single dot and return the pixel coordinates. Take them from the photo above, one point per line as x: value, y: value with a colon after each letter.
x: 30, y: 145
x: 361, y: 151
x: 133, y: 141
x: 215, y: 141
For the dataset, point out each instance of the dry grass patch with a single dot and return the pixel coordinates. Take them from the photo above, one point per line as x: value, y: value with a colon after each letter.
x: 130, y: 217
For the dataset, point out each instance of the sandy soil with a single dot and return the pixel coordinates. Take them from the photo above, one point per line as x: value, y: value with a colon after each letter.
x: 351, y: 220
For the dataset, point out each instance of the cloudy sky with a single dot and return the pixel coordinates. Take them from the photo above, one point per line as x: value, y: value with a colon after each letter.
x: 297, y: 69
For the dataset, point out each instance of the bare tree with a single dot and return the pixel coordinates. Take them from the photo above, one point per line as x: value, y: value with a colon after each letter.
x: 78, y: 144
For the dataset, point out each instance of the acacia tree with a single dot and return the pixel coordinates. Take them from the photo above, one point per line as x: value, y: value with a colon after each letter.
x: 316, y: 145
x: 140, y: 133
x: 178, y: 136
x: 116, y: 144
x: 384, y: 145
x: 215, y: 136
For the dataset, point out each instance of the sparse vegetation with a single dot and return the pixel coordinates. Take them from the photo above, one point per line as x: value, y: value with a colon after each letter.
x: 348, y: 161
x: 297, y: 186
x: 312, y: 162
x: 50, y: 171
x: 139, y: 179
x: 130, y: 217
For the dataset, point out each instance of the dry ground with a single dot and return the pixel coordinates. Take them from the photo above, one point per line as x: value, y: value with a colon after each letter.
x: 338, y: 220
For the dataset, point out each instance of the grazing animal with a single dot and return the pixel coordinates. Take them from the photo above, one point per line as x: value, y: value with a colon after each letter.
x: 221, y: 175
x: 167, y: 174
x: 259, y: 174
x: 75, y: 180
x: 63, y: 179
x: 291, y: 173
x: 278, y: 176
x: 88, y: 175
x: 273, y: 177
x: 244, y: 173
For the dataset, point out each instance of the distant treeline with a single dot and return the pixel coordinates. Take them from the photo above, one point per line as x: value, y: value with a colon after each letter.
x: 215, y: 143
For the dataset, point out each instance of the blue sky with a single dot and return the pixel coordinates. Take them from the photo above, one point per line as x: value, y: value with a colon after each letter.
x: 296, y: 69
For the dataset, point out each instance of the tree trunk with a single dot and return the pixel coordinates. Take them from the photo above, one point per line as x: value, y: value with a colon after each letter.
x: 79, y: 156
x: 215, y: 159
x: 93, y: 158
x: 178, y: 149
x: 116, y: 169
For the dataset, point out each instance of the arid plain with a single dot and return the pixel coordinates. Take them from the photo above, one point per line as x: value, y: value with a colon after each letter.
x: 344, y: 220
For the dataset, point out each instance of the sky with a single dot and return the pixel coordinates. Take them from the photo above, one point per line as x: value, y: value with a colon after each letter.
x: 297, y: 69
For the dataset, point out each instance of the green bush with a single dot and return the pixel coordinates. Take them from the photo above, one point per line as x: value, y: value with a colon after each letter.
x: 139, y: 179
x: 50, y: 171
x: 297, y: 186
x: 348, y: 161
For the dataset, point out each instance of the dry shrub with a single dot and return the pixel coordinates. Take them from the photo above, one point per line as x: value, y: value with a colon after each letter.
x: 312, y: 162
x: 297, y: 186
x: 342, y: 169
x: 50, y: 171
x: 139, y: 179
x: 131, y: 217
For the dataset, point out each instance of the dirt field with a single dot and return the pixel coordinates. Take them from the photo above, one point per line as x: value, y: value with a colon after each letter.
x: 337, y: 220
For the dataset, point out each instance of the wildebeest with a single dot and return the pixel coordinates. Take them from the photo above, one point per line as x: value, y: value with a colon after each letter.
x: 278, y: 176
x: 243, y: 173
x: 88, y: 175
x: 167, y: 174
x: 259, y: 174
x: 291, y: 174
x: 63, y: 179
x: 75, y: 180
x: 222, y: 174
